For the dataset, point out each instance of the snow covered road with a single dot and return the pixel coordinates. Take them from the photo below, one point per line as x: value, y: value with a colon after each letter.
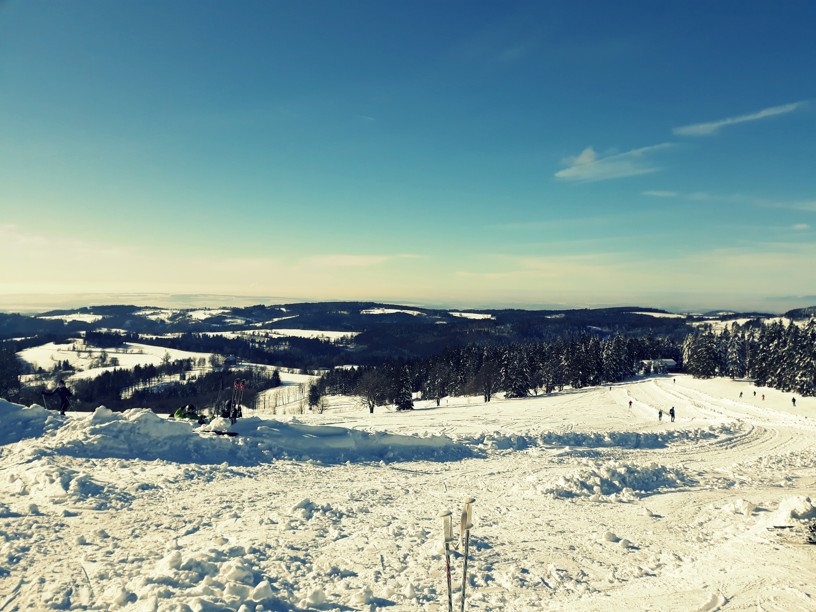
x: 583, y: 503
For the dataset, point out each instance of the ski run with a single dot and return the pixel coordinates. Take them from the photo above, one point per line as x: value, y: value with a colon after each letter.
x: 584, y: 500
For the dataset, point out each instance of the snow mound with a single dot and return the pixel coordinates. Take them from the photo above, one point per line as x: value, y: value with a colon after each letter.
x: 740, y: 506
x: 138, y: 433
x: 43, y: 481
x: 616, y: 481
x: 598, y: 439
x: 21, y: 422
x: 795, y: 508
x: 331, y: 444
x: 202, y: 580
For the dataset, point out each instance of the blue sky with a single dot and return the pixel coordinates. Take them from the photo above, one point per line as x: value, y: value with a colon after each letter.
x: 462, y: 154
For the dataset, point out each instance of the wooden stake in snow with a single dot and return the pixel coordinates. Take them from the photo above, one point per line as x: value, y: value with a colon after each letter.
x: 464, y: 534
x: 447, y: 533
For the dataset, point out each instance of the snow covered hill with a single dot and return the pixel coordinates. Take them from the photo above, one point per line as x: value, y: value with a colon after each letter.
x: 585, y: 501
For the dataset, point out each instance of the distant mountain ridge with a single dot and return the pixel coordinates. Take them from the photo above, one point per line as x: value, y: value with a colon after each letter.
x: 352, y: 316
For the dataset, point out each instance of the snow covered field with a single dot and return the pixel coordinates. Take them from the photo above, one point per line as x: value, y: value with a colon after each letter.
x: 583, y: 503
x: 85, y: 358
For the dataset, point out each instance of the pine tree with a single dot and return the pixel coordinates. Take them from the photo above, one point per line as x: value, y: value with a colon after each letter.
x: 736, y: 355
x: 10, y: 371
x: 404, y: 397
x: 516, y: 373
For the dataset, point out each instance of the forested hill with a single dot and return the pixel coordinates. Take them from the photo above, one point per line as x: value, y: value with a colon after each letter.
x: 344, y: 316
x: 374, y: 331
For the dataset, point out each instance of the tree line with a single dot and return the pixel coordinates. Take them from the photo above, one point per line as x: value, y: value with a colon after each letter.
x: 149, y: 385
x: 515, y: 369
x: 775, y: 355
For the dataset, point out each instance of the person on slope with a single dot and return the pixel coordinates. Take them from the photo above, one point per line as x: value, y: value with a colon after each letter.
x: 189, y: 412
x: 793, y: 401
x: 236, y: 413
x: 671, y: 413
x: 64, y: 394
x: 660, y: 415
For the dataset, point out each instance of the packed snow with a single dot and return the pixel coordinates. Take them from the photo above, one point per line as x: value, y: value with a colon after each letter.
x: 585, y: 500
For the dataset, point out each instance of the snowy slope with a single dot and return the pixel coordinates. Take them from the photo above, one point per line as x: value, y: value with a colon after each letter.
x: 583, y: 503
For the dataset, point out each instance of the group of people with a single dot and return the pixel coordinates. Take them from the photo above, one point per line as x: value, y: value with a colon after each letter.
x: 660, y: 412
x: 671, y: 414
x: 793, y: 399
x: 230, y: 410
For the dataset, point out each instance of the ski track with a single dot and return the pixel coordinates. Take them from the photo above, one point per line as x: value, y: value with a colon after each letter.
x: 668, y: 527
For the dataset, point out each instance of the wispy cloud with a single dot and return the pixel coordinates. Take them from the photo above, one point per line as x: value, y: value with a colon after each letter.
x: 354, y: 261
x: 712, y: 127
x: 804, y: 206
x: 801, y: 227
x: 516, y: 53
x: 735, y: 198
x: 660, y: 194
x: 588, y: 166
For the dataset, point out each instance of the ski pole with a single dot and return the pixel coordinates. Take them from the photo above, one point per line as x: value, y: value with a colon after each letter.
x: 467, y: 523
x: 45, y: 402
x: 447, y: 532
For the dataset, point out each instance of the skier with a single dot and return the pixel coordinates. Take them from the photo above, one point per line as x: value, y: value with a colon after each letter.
x: 793, y: 401
x: 630, y: 403
x: 660, y: 415
x: 671, y: 413
x: 740, y: 394
x: 64, y: 393
x: 763, y: 397
x: 235, y: 413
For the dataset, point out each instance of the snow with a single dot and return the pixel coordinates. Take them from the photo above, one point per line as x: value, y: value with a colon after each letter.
x: 85, y: 358
x: 582, y: 503
x: 283, y: 333
x: 471, y: 315
x: 661, y: 315
x: 158, y: 314
x: 206, y: 313
x: 383, y: 311
x: 75, y: 316
x: 314, y: 333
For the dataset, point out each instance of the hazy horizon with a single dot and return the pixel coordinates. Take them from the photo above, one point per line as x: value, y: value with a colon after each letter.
x: 36, y: 304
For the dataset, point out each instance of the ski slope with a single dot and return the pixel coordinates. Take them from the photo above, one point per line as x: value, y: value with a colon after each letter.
x: 582, y: 503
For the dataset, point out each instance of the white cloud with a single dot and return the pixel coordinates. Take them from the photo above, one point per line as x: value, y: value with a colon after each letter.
x: 801, y: 226
x: 588, y: 166
x: 660, y: 194
x: 805, y: 206
x: 353, y: 261
x: 711, y: 127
